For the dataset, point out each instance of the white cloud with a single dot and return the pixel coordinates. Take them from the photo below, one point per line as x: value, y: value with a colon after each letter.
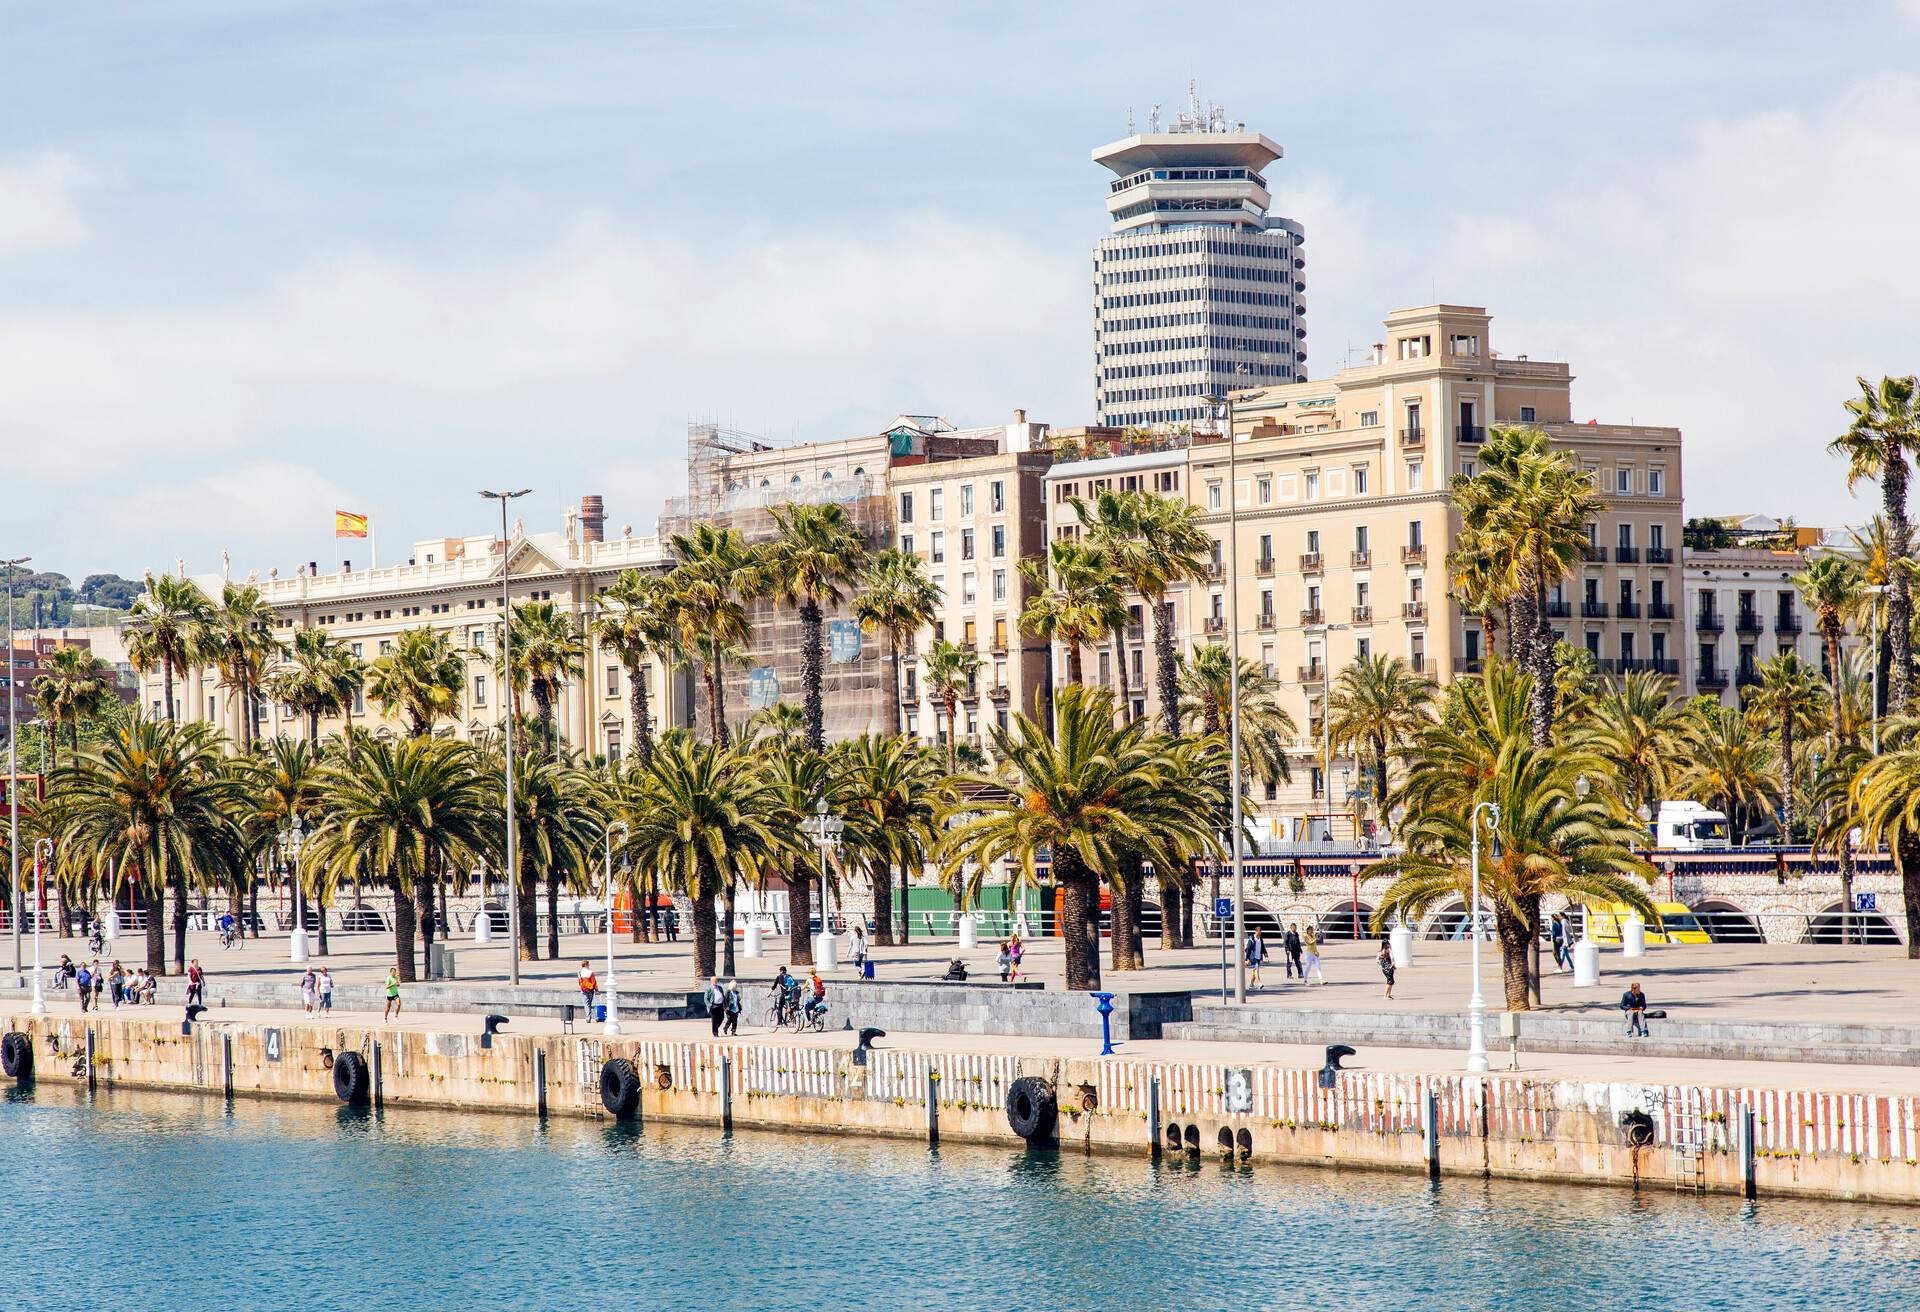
x: 37, y: 202
x: 245, y: 504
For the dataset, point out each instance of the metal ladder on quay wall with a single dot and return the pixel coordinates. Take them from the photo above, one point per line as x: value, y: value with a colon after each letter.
x: 1687, y: 1140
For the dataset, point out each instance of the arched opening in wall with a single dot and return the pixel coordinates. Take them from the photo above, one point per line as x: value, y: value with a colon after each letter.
x: 1867, y: 927
x: 1150, y: 919
x: 1727, y: 923
x: 1347, y: 922
x: 1260, y: 918
x: 1449, y: 924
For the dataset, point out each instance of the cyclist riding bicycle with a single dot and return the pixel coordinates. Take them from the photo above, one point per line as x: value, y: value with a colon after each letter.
x: 816, y: 995
x: 226, y: 924
x: 784, y: 998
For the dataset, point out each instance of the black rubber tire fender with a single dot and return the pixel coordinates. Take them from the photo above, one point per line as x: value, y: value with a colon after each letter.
x: 350, y: 1079
x: 1032, y: 1108
x: 16, y: 1056
x: 620, y: 1088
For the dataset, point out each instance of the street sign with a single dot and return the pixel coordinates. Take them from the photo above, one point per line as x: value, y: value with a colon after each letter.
x: 1866, y: 901
x: 273, y: 1044
x: 1223, y: 908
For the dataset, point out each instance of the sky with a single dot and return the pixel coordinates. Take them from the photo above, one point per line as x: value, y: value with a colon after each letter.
x: 262, y: 259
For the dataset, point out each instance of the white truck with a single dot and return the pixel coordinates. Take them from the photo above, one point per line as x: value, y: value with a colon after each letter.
x: 1689, y: 827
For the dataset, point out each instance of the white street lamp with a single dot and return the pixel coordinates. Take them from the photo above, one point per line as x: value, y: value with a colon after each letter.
x: 613, y: 999
x: 506, y: 674
x: 296, y: 839
x: 13, y: 773
x: 45, y: 845
x: 825, y: 831
x: 1477, y: 1004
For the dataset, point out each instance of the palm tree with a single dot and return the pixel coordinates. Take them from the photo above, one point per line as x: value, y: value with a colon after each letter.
x: 891, y: 790
x: 799, y: 779
x: 319, y: 678
x: 1553, y: 841
x: 1831, y: 586
x: 635, y: 626
x: 1648, y: 736
x: 1868, y: 611
x: 951, y: 671
x: 1113, y: 528
x: 705, y: 818
x: 1075, y: 599
x: 547, y: 652
x: 1173, y: 549
x: 817, y: 553
x: 164, y: 631
x: 1884, y: 430
x: 406, y: 809
x: 1475, y: 579
x: 558, y: 809
x: 709, y: 587
x: 77, y: 685
x: 283, y: 793
x: 897, y: 597
x: 422, y: 677
x: 1094, y: 795
x: 1789, y: 699
x: 156, y: 800
x: 1267, y: 730
x: 236, y: 636
x: 1732, y: 766
x: 1885, y: 797
x: 1378, y: 703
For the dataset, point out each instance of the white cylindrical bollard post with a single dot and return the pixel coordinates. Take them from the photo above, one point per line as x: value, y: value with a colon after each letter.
x: 969, y: 933
x: 1633, y: 937
x: 1586, y: 964
x: 483, y: 925
x: 826, y: 951
x: 1400, y: 940
x: 110, y: 925
x: 755, y: 935
x: 297, y: 944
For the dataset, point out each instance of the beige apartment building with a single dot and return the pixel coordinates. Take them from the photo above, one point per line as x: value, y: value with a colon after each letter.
x: 454, y: 585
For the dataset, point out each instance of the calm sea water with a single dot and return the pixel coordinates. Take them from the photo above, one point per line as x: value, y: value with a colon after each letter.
x: 158, y: 1201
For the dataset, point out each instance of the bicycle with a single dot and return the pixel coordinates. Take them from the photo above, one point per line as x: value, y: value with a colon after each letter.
x: 817, y: 1022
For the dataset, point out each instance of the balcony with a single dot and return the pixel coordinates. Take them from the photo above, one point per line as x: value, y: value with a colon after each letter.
x: 1659, y: 555
x: 1628, y: 610
x: 1749, y: 622
x: 1264, y: 565
x: 1310, y: 562
x: 999, y: 646
x: 1708, y: 622
x: 1313, y: 672
x: 1749, y: 676
x: 1363, y: 614
x: 1659, y: 610
x: 1312, y: 616
x: 1413, y: 437
x: 1593, y: 610
x: 1467, y: 664
x: 1361, y: 559
x: 1216, y: 624
x: 1413, y: 610
x: 1559, y: 610
x: 1593, y: 551
x: 1784, y: 623
x: 999, y: 692
x: 1266, y: 621
x: 1708, y: 677
x: 1136, y: 633
x: 1627, y: 555
x: 1414, y: 555
x: 1472, y: 434
x: 1417, y: 663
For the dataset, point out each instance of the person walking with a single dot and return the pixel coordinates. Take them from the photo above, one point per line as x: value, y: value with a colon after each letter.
x: 1310, y: 956
x: 99, y: 982
x: 1256, y: 956
x: 859, y: 948
x: 326, y: 991
x: 1014, y: 953
x: 1558, y: 934
x: 1634, y: 1003
x: 83, y: 984
x: 673, y: 925
x: 1386, y: 964
x: 732, y: 1024
x: 64, y: 972
x: 196, y: 983
x: 1004, y: 961
x: 392, y: 1010
x: 117, y: 984
x: 589, y: 985
x: 716, y: 1005
x: 308, y: 1000
x: 1291, y: 943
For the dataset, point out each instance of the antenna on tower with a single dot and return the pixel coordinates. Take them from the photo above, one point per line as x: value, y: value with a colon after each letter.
x: 1153, y: 120
x: 1129, y: 120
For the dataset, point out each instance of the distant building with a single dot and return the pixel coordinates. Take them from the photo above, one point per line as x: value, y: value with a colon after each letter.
x: 1197, y: 289
x: 1744, y: 607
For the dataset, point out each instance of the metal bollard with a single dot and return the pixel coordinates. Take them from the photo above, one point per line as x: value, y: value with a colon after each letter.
x: 378, y: 1100
x: 226, y: 1064
x: 90, y: 1075
x: 726, y: 1094
x: 1430, y: 1133
x: 933, y: 1106
x: 540, y: 1080
x: 1743, y: 1146
x: 1153, y: 1116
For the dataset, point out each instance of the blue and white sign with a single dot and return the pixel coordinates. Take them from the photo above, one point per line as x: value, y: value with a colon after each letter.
x: 1223, y: 908
x: 843, y: 642
x: 1866, y: 901
x: 763, y: 688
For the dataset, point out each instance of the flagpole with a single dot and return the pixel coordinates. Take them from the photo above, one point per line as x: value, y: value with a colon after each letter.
x: 373, y: 547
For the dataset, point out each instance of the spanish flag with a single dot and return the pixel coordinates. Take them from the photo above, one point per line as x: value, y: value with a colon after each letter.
x: 346, y: 524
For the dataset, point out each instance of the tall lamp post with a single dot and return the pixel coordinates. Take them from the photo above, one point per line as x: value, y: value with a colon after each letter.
x: 1477, y: 1004
x: 613, y: 993
x: 506, y: 667
x: 45, y: 845
x: 12, y: 767
x: 297, y: 942
x: 825, y: 831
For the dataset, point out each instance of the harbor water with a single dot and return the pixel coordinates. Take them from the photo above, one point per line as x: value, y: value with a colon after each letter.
x: 158, y: 1201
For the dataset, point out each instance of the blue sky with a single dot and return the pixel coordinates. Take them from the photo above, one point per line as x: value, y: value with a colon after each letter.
x: 260, y: 258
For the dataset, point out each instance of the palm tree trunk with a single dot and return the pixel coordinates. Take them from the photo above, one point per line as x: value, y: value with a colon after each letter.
x: 553, y: 915
x: 423, y: 913
x: 179, y: 924
x: 543, y: 703
x: 716, y: 705
x: 893, y: 697
x: 320, y: 914
x: 1542, y: 652
x: 166, y: 683
x: 1511, y: 929
x: 1129, y: 901
x: 1080, y: 919
x: 1121, y: 682
x: 529, y: 916
x: 1906, y: 853
x: 952, y: 704
x: 812, y: 675
x: 880, y: 874
x: 636, y: 916
x: 1073, y: 664
x: 1786, y: 780
x: 703, y: 938
x: 402, y: 931
x: 1170, y: 935
x: 1166, y: 670
x: 642, y: 729
x: 156, y: 925
x: 1893, y: 491
x: 726, y: 928
x: 1379, y: 775
x: 800, y: 916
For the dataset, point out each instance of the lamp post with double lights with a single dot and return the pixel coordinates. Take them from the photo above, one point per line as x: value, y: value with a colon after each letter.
x: 506, y: 673
x: 13, y: 779
x: 42, y: 857
x: 1477, y: 1004
x: 825, y: 830
x: 613, y: 984
x: 297, y: 941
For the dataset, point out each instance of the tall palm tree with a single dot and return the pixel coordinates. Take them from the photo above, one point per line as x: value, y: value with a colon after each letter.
x: 635, y: 625
x: 548, y: 651
x: 1113, y: 525
x: 422, y: 677
x: 283, y: 785
x: 318, y: 679
x: 558, y: 809
x: 165, y: 630
x: 156, y: 800
x: 1788, y: 699
x: 799, y: 778
x: 1831, y: 586
x: 1075, y: 599
x: 1093, y: 795
x: 716, y: 575
x: 77, y: 686
x: 1266, y: 727
x: 1868, y: 611
x: 818, y: 552
x: 1732, y: 767
x: 1884, y: 430
x: 236, y: 636
x: 897, y: 597
x: 1885, y: 798
x: 1174, y: 549
x: 951, y: 671
x: 1636, y: 723
x: 891, y: 790
x: 407, y: 810
x: 705, y: 818
x: 1378, y: 703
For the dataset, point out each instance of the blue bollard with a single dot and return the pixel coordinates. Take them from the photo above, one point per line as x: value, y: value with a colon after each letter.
x: 1104, y: 1001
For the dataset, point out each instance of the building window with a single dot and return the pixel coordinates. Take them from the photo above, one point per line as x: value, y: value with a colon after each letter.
x: 996, y: 497
x: 939, y: 546
x: 1263, y: 489
x: 1657, y: 536
x: 1415, y: 537
x: 1623, y: 481
x: 1626, y: 536
x: 936, y: 503
x: 999, y: 585
x: 1369, y: 419
x: 906, y: 543
x: 1312, y: 478
x: 906, y: 507
x: 1416, y: 475
x: 966, y: 500
x: 1656, y: 482
x: 967, y: 590
x: 966, y: 544
x: 1362, y: 542
x: 1359, y: 479
x: 613, y: 680
x: 999, y: 541
x: 1213, y: 496
x: 1526, y: 414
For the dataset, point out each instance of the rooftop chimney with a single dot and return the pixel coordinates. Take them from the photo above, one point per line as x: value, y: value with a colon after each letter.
x: 593, y: 519
x: 1019, y: 416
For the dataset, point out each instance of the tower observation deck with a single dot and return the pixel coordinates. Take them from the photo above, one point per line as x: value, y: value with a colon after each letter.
x: 1196, y: 289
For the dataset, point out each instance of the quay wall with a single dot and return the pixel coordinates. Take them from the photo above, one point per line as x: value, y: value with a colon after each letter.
x: 1831, y: 1144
